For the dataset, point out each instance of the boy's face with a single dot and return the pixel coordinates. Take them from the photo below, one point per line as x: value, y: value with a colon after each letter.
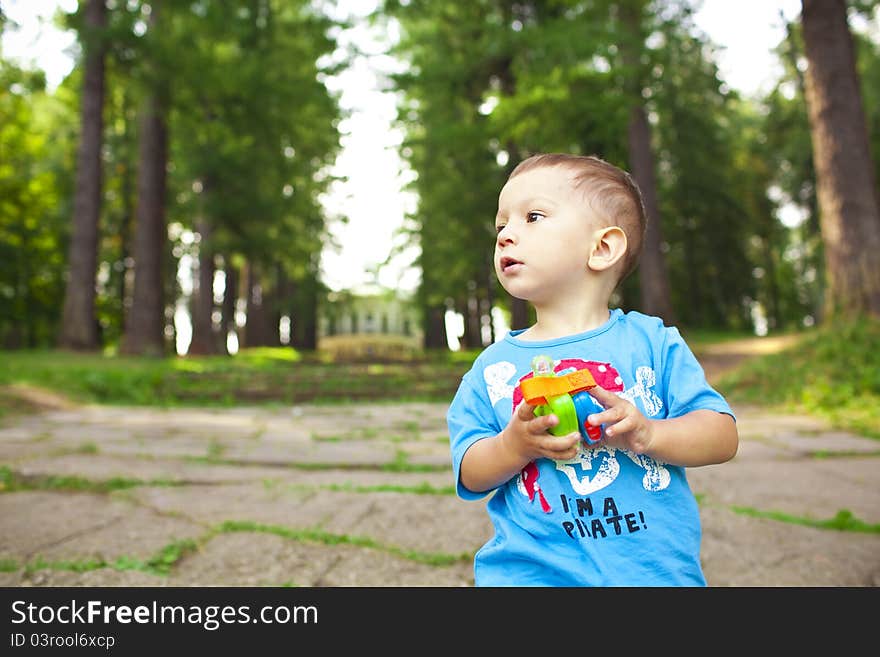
x: 544, y: 235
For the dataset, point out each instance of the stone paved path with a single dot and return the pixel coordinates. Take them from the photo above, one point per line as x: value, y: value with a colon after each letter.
x: 360, y: 495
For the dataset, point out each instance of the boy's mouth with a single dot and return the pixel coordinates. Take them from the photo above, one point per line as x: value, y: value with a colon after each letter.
x: 509, y: 264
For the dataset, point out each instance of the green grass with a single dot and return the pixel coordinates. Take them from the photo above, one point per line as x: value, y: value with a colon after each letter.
x: 263, y: 376
x: 833, y: 372
x: 8, y: 565
x: 163, y: 561
x: 11, y: 481
x: 160, y: 563
x: 844, y: 521
x: 699, y: 338
x: 315, y: 535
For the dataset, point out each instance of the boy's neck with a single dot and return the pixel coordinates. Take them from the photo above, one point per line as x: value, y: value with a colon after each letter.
x: 551, y: 325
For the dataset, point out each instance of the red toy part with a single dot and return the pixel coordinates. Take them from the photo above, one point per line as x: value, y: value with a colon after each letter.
x: 595, y: 433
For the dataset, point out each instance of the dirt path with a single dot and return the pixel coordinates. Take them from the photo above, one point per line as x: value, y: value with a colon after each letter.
x: 719, y: 359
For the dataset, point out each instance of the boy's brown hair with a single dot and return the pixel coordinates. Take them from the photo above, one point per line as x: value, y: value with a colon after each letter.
x: 613, y: 192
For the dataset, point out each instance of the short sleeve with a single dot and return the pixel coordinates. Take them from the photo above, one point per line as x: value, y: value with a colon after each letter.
x: 685, y: 381
x: 470, y: 418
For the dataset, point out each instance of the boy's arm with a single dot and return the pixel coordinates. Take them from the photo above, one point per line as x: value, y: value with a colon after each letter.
x: 492, y: 461
x: 700, y: 437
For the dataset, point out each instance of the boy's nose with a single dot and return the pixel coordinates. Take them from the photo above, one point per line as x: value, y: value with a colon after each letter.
x: 506, y: 236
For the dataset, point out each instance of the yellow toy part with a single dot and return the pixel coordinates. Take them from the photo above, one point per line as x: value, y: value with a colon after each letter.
x: 538, y: 389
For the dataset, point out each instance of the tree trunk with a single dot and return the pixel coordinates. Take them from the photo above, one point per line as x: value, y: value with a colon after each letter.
x: 653, y: 275
x: 695, y: 310
x: 305, y: 315
x: 845, y: 174
x: 79, y: 328
x: 257, y: 330
x: 128, y: 221
x: 145, y: 326
x: 473, y: 332
x: 435, y: 328
x: 203, y: 309
x: 272, y: 299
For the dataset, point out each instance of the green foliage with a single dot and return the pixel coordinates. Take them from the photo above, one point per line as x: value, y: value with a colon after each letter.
x: 454, y: 51
x: 500, y: 79
x: 256, y: 131
x: 32, y: 206
x: 833, y: 372
x: 251, y: 115
x: 253, y: 132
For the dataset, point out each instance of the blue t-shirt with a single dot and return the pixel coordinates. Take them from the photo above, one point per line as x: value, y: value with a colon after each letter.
x: 608, y: 517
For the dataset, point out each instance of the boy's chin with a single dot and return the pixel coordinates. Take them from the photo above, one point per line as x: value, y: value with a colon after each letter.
x: 518, y: 293
x: 511, y: 288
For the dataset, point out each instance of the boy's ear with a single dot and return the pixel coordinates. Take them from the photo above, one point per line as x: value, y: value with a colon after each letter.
x: 608, y: 247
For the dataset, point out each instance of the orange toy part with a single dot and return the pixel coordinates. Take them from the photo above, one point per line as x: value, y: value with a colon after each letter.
x: 537, y: 389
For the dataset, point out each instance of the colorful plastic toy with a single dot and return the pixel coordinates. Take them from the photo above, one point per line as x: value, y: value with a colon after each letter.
x: 564, y: 395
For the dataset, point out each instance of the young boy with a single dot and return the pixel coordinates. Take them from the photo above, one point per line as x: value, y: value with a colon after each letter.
x: 568, y: 510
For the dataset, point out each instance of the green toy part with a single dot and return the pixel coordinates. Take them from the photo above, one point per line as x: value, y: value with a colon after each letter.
x: 564, y: 406
x: 560, y: 405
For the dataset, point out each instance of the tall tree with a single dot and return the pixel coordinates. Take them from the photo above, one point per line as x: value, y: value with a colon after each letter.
x: 34, y: 210
x: 145, y: 324
x: 788, y: 153
x: 845, y: 174
x: 655, y: 296
x: 79, y: 328
x: 255, y: 130
x: 455, y: 55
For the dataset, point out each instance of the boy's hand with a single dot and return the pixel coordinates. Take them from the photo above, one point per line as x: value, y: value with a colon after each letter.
x: 625, y: 426
x: 528, y: 437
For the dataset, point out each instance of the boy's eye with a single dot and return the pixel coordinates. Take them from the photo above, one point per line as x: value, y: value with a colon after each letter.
x: 533, y: 216
x: 499, y: 228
